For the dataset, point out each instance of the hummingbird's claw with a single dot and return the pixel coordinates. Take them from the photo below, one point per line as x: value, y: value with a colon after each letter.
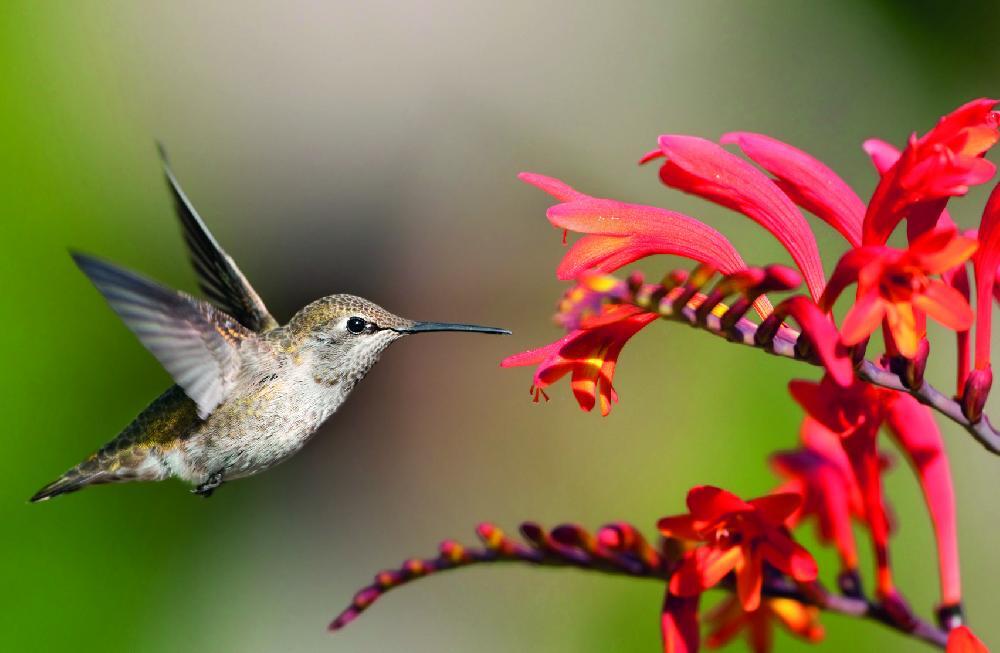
x: 208, y: 487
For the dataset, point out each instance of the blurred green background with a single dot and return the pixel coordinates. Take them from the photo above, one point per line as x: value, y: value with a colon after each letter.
x: 372, y: 147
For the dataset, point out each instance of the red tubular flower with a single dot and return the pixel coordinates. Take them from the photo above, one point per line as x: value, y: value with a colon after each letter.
x: 914, y: 429
x: 986, y: 261
x: 617, y: 233
x: 855, y: 414
x: 808, y: 182
x: 924, y: 218
x: 962, y: 640
x: 729, y: 618
x: 703, y: 168
x: 821, y: 474
x: 590, y: 354
x: 894, y: 285
x: 941, y: 164
x: 740, y: 536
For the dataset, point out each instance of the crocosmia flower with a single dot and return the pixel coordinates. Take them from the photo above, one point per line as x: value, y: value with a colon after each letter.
x: 821, y: 474
x: 588, y: 354
x: 942, y: 163
x: 729, y: 619
x: 895, y: 285
x: 739, y: 536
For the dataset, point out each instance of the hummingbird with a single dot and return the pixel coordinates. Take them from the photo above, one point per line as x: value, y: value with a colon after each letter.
x: 249, y: 393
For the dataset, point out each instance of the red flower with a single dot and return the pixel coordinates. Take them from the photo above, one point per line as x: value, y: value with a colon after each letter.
x: 855, y: 414
x: 729, y: 618
x: 821, y: 474
x: 986, y: 261
x: 914, y: 429
x: 893, y: 285
x: 921, y: 219
x: 703, y: 168
x: 740, y: 536
x: 808, y: 182
x: 961, y: 640
x: 590, y: 354
x: 617, y: 233
x: 941, y: 164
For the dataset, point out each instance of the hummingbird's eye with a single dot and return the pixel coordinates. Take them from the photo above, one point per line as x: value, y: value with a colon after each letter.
x: 356, y: 325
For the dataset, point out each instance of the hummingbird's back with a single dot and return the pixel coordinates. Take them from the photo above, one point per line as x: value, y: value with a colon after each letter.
x: 137, y: 452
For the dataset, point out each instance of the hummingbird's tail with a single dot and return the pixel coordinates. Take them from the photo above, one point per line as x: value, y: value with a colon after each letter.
x: 71, y: 481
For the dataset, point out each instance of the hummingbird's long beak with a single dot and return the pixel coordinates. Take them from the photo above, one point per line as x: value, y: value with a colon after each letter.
x: 427, y: 327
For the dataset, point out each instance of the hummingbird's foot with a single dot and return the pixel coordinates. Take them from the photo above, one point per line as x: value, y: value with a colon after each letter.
x: 208, y: 487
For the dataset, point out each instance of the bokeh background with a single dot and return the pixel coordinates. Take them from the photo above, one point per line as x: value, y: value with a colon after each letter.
x: 372, y: 147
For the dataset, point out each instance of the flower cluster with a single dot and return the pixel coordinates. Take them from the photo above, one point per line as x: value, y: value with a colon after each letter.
x: 832, y: 478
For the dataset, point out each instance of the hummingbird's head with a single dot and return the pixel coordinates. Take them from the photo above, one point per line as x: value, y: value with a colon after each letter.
x: 349, y: 333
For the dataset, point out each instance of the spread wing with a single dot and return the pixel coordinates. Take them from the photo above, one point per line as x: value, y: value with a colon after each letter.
x: 194, y: 341
x: 218, y: 275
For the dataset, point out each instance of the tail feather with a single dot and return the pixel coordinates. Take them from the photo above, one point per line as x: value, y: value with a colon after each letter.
x: 71, y: 481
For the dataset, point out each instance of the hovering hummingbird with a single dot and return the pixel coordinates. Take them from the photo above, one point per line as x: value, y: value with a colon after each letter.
x: 249, y: 393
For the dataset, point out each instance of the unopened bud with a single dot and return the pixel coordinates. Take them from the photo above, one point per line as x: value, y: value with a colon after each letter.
x: 977, y: 389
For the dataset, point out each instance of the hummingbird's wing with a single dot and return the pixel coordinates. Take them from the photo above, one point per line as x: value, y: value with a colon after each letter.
x: 195, y: 342
x: 218, y: 275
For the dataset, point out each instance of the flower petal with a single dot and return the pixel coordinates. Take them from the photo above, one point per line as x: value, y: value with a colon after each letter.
x: 863, y: 318
x: 679, y: 526
x: 789, y: 557
x: 777, y: 508
x: 821, y: 333
x: 946, y: 305
x: 749, y: 578
x: 703, y: 168
x: 883, y: 155
x: 709, y: 503
x: 809, y: 183
x: 679, y: 624
x: 554, y: 187
x: 848, y: 270
x: 649, y: 230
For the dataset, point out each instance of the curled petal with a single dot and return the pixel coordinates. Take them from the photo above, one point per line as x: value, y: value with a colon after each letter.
x: 883, y: 155
x: 703, y: 168
x: 554, y: 187
x: 809, y: 183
